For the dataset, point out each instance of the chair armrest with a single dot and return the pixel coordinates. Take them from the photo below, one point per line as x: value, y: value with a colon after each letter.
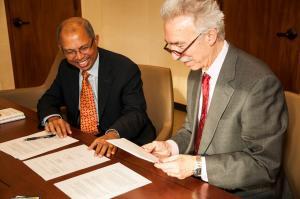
x: 27, y: 97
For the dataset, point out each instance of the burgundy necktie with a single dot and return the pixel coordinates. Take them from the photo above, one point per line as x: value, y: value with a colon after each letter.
x: 205, y: 96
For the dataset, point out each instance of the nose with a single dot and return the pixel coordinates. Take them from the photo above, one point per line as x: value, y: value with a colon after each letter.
x: 79, y: 55
x: 175, y: 56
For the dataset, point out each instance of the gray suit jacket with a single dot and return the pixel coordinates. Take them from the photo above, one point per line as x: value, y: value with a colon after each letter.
x: 246, y: 121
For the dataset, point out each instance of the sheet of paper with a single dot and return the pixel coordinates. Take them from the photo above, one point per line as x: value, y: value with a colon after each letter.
x: 134, y: 149
x: 106, y: 182
x: 63, y: 162
x: 21, y: 149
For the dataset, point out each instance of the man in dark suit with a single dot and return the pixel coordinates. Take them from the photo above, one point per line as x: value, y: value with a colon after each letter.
x: 116, y: 100
x: 236, y: 113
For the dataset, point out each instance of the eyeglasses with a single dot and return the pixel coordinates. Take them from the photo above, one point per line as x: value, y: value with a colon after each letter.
x: 183, y: 51
x: 71, y: 53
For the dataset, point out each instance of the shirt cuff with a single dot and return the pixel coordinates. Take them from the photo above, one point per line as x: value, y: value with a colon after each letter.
x: 46, y: 118
x: 173, y: 146
x: 203, y: 170
x: 114, y: 130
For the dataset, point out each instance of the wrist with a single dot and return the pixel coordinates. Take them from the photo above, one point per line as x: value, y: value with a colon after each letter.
x: 197, y: 166
x: 50, y: 119
x: 45, y: 119
x: 112, y: 132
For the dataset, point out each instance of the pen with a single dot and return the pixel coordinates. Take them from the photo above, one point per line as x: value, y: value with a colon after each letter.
x: 39, y: 137
x: 24, y: 197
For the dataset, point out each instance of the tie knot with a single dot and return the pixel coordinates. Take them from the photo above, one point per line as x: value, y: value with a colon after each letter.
x: 85, y: 75
x: 205, y: 78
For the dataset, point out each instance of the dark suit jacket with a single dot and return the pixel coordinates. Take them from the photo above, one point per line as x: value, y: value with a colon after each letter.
x: 245, y: 125
x: 121, y: 101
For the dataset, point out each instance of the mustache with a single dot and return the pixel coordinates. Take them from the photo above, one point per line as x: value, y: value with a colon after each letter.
x: 185, y: 59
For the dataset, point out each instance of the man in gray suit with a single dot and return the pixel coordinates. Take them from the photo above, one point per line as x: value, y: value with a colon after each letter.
x: 236, y: 113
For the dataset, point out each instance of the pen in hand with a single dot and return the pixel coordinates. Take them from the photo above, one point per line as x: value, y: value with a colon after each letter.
x: 39, y: 137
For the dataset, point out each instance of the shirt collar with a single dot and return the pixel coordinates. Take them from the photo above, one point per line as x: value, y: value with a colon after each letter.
x: 93, y: 71
x: 214, y: 70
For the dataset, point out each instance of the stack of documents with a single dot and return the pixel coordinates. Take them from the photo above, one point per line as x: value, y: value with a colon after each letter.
x: 21, y: 149
x: 10, y: 114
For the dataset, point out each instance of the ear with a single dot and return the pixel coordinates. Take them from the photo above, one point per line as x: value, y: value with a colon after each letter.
x: 97, y: 40
x: 59, y: 47
x: 212, y: 35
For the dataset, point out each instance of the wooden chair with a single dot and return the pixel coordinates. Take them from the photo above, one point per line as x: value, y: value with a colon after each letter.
x: 292, y: 144
x: 29, y: 97
x: 158, y: 91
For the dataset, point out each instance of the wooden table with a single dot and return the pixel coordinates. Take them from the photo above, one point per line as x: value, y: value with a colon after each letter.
x: 18, y: 179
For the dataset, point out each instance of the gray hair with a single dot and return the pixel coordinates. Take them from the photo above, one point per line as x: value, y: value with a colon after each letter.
x: 205, y: 13
x: 71, y: 23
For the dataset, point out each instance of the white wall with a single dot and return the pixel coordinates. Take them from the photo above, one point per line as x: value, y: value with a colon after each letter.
x: 134, y: 28
x: 6, y: 70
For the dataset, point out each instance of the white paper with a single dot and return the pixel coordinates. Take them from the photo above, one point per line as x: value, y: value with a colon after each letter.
x: 21, y: 149
x: 134, y: 149
x: 10, y: 114
x: 106, y: 182
x: 63, y: 162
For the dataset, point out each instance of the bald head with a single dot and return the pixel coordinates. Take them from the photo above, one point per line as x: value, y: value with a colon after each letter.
x: 72, y: 25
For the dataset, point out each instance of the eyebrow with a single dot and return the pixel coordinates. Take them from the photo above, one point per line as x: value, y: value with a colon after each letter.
x: 69, y: 49
x: 175, y: 43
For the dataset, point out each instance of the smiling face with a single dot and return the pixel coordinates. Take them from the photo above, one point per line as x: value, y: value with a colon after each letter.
x: 78, y: 47
x: 180, y: 32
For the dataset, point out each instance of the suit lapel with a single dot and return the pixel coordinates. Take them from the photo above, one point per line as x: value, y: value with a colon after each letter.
x: 194, y: 104
x: 221, y: 97
x: 104, y: 81
x: 74, y: 77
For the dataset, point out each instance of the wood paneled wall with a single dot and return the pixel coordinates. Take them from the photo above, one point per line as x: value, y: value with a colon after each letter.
x: 252, y: 25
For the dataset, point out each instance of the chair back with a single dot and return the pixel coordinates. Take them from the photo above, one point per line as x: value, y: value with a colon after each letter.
x: 29, y: 97
x: 292, y: 144
x: 158, y: 91
x: 53, y: 70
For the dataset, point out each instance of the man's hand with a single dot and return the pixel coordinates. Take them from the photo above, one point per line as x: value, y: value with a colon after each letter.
x: 102, y: 147
x: 179, y: 166
x: 160, y: 149
x: 58, y: 126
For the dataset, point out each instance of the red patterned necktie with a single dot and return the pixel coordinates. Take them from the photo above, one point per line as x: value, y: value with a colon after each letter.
x: 88, y: 113
x: 205, y: 96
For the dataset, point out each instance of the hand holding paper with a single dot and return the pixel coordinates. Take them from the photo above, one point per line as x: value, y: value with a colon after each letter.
x: 134, y: 149
x: 160, y: 149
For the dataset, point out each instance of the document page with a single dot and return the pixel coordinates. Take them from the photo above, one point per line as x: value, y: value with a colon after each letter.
x: 63, y: 162
x: 134, y: 149
x: 21, y: 149
x: 106, y: 182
